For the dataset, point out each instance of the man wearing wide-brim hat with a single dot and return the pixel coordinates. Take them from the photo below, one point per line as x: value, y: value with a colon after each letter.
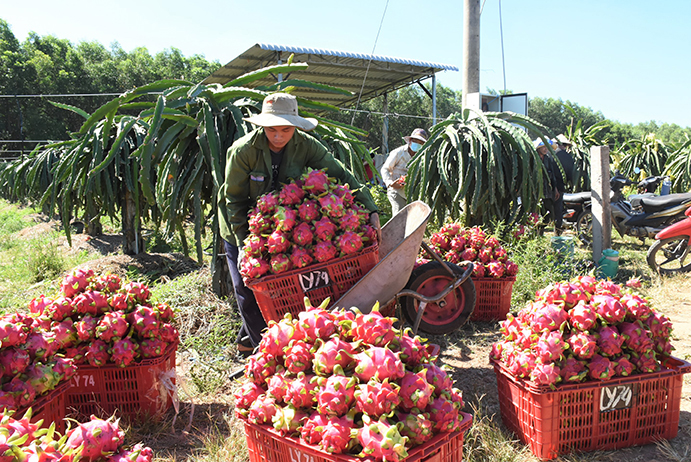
x: 395, y: 168
x: 273, y: 154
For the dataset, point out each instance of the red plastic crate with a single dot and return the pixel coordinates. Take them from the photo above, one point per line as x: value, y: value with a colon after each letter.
x: 139, y: 391
x: 285, y: 293
x: 50, y: 408
x: 264, y: 444
x: 589, y: 416
x: 493, y: 298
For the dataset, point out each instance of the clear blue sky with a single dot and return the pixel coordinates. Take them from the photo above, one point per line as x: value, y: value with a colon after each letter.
x: 625, y: 58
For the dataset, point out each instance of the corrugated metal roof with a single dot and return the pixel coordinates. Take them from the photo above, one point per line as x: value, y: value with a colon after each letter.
x: 336, y: 68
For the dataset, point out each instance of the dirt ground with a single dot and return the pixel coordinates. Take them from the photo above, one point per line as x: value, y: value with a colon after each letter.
x: 465, y: 351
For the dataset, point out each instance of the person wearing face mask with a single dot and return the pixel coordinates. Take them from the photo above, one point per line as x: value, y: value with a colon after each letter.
x: 395, y: 168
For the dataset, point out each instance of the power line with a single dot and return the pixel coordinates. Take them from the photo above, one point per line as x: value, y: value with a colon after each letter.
x: 60, y: 95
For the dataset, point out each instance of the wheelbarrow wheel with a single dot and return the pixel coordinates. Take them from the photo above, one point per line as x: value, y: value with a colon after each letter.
x: 448, y: 314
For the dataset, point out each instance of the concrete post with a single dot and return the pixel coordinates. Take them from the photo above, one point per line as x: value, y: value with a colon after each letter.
x: 602, y: 214
x: 471, y: 48
x: 385, y: 126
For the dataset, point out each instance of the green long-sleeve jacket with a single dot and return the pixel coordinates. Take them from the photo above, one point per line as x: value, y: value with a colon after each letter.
x: 248, y: 176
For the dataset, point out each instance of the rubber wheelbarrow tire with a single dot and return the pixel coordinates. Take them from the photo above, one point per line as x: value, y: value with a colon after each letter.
x: 430, y: 279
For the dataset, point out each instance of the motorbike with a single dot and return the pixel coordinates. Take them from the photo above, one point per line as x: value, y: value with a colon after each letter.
x: 670, y: 251
x: 646, y: 218
x: 576, y: 203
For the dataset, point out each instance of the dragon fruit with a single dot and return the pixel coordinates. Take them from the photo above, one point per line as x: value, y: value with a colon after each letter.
x: 39, y: 304
x: 145, y: 321
x: 511, y: 268
x: 97, y: 354
x: 550, y: 347
x: 495, y: 269
x: 258, y: 223
x: 438, y: 377
x: 478, y: 269
x: 22, y: 393
x: 138, y: 453
x: 636, y: 337
x: 254, y: 245
x: 608, y: 308
x: 545, y: 374
x: 11, y: 333
x: 609, y: 340
x: 469, y: 254
x: 623, y: 367
x: 645, y: 362
x: 350, y: 221
x: 303, y: 235
x: 112, y: 326
x: 308, y: 211
x: 573, y: 370
x: 61, y: 308
x: 381, y: 441
x: 373, y: 328
x: 440, y: 241
x: 658, y: 324
x: 119, y: 301
x: 302, y: 390
x: 548, y: 317
x: 331, y: 206
x: 300, y: 257
x: 76, y: 282
x: 417, y: 427
x: 485, y: 254
x: 336, y: 393
x: 315, y: 182
x: 600, y: 368
x: 77, y: 354
x: 636, y: 307
x: 64, y: 333
x: 41, y: 377
x: 349, y: 242
x: 324, y: 251
x: 86, y: 328
x: 325, y: 229
x: 582, y: 344
x: 84, y: 304
x: 415, y: 391
x: 582, y: 316
x: 152, y: 347
x: 108, y: 282
x: 380, y: 363
x: 411, y: 348
x: 315, y: 322
x: 255, y: 267
x: 267, y: 203
x: 247, y: 394
x: 40, y: 346
x: 284, y: 219
x: 443, y: 411
x: 458, y: 243
x: 337, y: 434
x: 288, y: 420
x: 344, y: 192
x: 259, y: 367
x: 331, y: 353
x: 63, y: 366
x: 311, y: 431
x: 377, y: 398
x: 277, y: 386
x: 277, y: 242
x: 14, y: 361
x: 123, y: 352
x: 168, y: 333
x: 262, y: 410
x: 291, y: 194
x: 277, y: 337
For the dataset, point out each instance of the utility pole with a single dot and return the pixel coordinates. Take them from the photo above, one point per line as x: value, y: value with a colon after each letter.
x: 471, y: 54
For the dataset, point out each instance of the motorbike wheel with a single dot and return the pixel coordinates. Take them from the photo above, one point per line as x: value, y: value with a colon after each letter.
x: 584, y: 227
x: 449, y: 313
x: 669, y: 256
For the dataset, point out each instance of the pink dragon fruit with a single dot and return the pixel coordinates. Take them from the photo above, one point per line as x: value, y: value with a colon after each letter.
x: 302, y: 391
x: 582, y: 344
x: 349, y: 242
x: 582, y: 316
x: 545, y: 374
x: 41, y: 377
x: 350, y: 221
x: 440, y: 241
x: 123, y: 352
x: 636, y: 337
x: 99, y: 300
x: 64, y: 333
x: 97, y: 354
x: 60, y: 309
x: 308, y: 211
x: 315, y: 182
x: 344, y: 192
x: 411, y: 348
x: 300, y: 257
x: 255, y: 267
x: 284, y: 219
x: 278, y: 242
x: 417, y: 427
x: 280, y: 263
x: 86, y: 328
x: 478, y: 269
x: 152, y: 347
x: 64, y: 367
x: 337, y: 434
x: 415, y: 391
x: 331, y: 353
x: 108, y: 282
x: 137, y: 291
x: 608, y: 308
x: 23, y: 394
x: 469, y: 254
x: 168, y: 333
x: 511, y: 268
x: 485, y: 254
x: 277, y: 386
x: 573, y: 370
x: 458, y: 243
x: 77, y: 354
x: 379, y: 363
x: 277, y: 337
x: 40, y: 346
x: 267, y: 203
x: 623, y: 367
x: 636, y: 307
x: 443, y: 411
x: 336, y: 393
x: 550, y: 347
x: 258, y: 223
x: 324, y: 251
x: 260, y: 366
x: 587, y: 283
x: 311, y: 431
x: 600, y: 368
x: 451, y: 228
x: 84, y: 304
x: 262, y: 410
x: 145, y: 321
x: 377, y: 398
x: 247, y: 394
x: 119, y: 301
x: 254, y: 245
x: 658, y: 324
x: 607, y: 287
x: 14, y: 361
x: 138, y: 453
x: 39, y: 304
x: 76, y: 282
x: 495, y: 269
x: 303, y: 235
x: 291, y: 194
x: 288, y: 420
x: 609, y: 340
x: 112, y: 326
x: 548, y: 317
x: 12, y: 333
x: 373, y: 328
x: 315, y: 322
x: 381, y: 441
x: 438, y: 377
x: 645, y: 362
x: 325, y: 229
x: 332, y: 206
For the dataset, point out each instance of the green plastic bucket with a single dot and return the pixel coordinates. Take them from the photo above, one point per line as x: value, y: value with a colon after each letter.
x: 564, y: 247
x: 609, y: 263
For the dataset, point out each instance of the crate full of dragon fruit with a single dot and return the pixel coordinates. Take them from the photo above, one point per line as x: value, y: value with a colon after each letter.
x: 265, y: 443
x: 279, y: 294
x: 142, y: 390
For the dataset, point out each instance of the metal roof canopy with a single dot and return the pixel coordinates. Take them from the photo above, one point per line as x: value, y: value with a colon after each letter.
x: 336, y: 68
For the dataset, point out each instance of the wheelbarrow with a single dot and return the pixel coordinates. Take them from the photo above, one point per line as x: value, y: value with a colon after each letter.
x: 437, y: 297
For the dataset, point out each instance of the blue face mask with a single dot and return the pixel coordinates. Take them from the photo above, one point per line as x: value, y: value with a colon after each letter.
x: 415, y: 147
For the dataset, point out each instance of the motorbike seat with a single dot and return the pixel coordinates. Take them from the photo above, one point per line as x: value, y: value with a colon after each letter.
x: 657, y: 203
x: 579, y: 197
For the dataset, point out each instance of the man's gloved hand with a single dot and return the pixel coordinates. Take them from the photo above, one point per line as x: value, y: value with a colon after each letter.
x: 241, y: 257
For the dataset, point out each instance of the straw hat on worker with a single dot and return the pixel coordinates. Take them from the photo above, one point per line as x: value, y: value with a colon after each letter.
x: 281, y: 109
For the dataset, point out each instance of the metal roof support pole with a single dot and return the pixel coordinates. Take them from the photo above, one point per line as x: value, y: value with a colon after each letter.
x: 434, y: 99
x: 280, y: 76
x: 471, y: 51
x: 385, y: 126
